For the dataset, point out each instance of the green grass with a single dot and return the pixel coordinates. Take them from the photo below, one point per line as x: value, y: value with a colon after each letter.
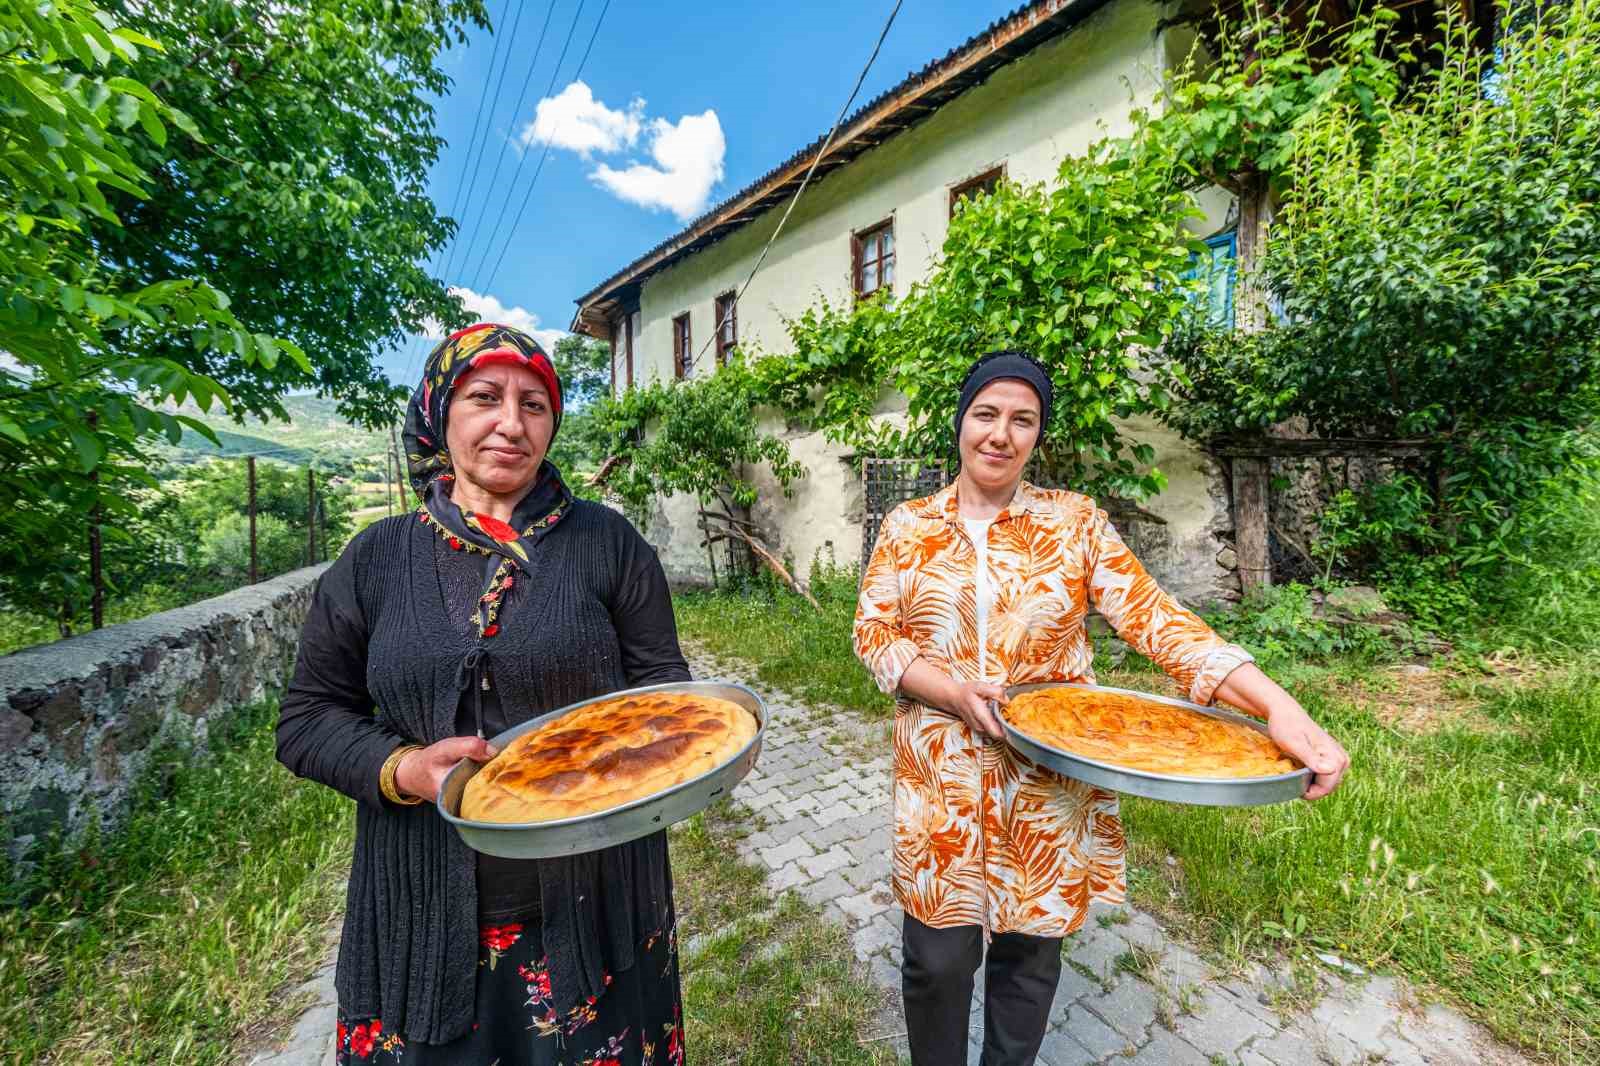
x: 1466, y: 858
x: 1463, y: 853
x: 170, y: 941
x: 789, y: 644
x: 765, y: 980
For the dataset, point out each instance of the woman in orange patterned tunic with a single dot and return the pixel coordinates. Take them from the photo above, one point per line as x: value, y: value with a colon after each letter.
x: 982, y: 585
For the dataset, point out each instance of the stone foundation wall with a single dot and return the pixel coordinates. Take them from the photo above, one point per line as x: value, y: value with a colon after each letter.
x: 79, y: 717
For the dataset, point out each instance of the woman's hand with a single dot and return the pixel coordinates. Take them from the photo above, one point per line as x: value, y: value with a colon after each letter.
x: 1292, y: 729
x: 1289, y: 726
x: 975, y: 702
x: 421, y: 772
x: 970, y: 700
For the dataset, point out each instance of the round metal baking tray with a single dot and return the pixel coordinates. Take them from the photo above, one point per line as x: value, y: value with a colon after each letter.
x: 603, y: 829
x: 1202, y: 791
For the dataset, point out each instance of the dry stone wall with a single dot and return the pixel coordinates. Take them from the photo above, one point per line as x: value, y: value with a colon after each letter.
x: 79, y: 717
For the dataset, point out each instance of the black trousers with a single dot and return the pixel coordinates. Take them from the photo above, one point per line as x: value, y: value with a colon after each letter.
x: 1019, y: 983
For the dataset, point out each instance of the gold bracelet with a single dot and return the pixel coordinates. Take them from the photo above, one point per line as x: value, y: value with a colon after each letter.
x: 386, y: 782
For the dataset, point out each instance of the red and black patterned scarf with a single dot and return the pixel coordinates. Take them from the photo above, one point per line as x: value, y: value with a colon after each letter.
x: 428, y: 461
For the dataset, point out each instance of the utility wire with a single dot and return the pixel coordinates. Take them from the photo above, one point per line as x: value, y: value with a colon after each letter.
x: 522, y: 101
x: 472, y: 182
x: 478, y: 125
x: 800, y: 191
x: 511, y: 231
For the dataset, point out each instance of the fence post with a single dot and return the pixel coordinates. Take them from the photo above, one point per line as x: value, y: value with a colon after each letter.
x: 311, y: 516
x: 97, y: 585
x: 399, y: 470
x: 97, y: 600
x: 388, y: 481
x: 250, y: 477
x: 1250, y: 522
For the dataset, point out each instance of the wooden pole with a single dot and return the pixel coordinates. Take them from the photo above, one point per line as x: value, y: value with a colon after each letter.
x: 388, y: 480
x: 250, y: 477
x: 399, y: 469
x: 97, y: 585
x: 1250, y: 523
x: 311, y: 515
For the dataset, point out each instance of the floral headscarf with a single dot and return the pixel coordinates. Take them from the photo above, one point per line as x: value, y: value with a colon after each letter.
x: 428, y: 460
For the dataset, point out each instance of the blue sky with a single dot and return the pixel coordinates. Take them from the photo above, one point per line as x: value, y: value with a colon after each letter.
x: 680, y: 106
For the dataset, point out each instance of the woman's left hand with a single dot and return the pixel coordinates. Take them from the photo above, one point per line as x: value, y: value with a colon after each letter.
x: 1292, y: 729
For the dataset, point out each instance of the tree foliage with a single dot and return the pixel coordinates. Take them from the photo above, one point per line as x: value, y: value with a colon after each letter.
x: 304, y: 198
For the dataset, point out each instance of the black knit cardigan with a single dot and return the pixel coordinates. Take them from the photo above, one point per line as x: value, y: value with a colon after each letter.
x: 377, y: 667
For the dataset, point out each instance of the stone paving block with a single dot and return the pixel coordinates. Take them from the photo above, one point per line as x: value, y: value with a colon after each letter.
x: 1165, y: 1049
x: 1219, y: 1024
x: 802, y: 804
x: 863, y: 906
x: 1288, y: 1049
x: 1130, y: 1008
x: 841, y: 832
x: 1059, y: 1049
x: 835, y: 858
x: 884, y: 972
x: 1179, y: 967
x: 1357, y: 1017
x: 869, y: 873
x: 834, y: 814
x: 786, y: 877
x: 777, y: 856
x: 874, y: 937
x: 1098, y: 950
x: 783, y: 830
x: 824, y: 890
x: 1093, y: 1033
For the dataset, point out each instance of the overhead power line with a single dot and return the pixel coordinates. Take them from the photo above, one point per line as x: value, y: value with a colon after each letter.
x: 826, y: 144
x: 522, y: 102
x: 511, y: 231
x: 472, y: 180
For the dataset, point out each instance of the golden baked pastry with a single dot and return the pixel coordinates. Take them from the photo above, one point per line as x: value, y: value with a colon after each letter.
x: 1141, y: 734
x: 605, y: 755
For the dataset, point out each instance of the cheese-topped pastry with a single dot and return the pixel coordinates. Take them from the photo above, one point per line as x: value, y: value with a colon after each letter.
x: 607, y: 754
x: 1142, y: 734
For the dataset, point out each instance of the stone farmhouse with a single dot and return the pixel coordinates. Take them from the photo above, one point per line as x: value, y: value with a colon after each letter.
x: 1045, y: 82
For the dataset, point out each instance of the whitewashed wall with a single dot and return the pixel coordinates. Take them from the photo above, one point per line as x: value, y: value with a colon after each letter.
x: 1027, y: 117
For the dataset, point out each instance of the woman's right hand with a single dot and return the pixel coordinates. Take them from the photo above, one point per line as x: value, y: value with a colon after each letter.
x: 421, y: 771
x: 975, y: 702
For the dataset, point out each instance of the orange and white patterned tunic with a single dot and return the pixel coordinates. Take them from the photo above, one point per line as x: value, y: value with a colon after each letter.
x: 983, y: 836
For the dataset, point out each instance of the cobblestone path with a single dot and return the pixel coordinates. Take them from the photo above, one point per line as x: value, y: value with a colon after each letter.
x: 1129, y: 994
x: 819, y: 804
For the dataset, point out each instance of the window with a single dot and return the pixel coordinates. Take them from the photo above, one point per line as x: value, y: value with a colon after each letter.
x: 972, y: 188
x: 682, y: 353
x: 874, y: 259
x: 1216, y: 270
x: 727, y: 326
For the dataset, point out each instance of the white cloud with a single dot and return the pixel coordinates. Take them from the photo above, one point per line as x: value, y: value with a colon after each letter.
x: 688, y: 159
x: 487, y: 308
x: 575, y: 120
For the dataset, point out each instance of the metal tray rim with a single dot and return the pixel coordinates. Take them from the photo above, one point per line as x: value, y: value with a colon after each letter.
x: 1148, y: 775
x: 502, y: 739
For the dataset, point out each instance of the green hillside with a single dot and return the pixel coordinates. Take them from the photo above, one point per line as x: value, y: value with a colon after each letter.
x: 315, y: 433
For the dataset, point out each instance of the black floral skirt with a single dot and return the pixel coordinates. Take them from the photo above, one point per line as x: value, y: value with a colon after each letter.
x: 639, y: 1018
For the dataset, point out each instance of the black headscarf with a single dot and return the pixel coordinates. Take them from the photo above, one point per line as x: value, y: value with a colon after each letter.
x: 1007, y: 363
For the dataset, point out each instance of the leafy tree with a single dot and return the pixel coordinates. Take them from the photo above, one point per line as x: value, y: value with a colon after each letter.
x: 304, y: 198
x: 584, y: 366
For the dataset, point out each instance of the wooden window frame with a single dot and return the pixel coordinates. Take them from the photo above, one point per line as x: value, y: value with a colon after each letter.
x: 987, y: 181
x: 858, y: 242
x: 727, y: 332
x: 682, y: 345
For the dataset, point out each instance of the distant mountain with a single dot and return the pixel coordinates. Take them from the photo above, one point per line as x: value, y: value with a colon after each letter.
x: 315, y: 433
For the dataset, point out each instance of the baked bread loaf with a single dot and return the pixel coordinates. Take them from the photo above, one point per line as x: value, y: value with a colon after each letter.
x: 605, y: 755
x: 1141, y: 734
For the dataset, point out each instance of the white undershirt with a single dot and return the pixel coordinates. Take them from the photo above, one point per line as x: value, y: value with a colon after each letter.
x: 978, y: 530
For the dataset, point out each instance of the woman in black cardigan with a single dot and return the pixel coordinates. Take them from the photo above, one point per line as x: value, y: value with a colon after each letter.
x: 499, y: 599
